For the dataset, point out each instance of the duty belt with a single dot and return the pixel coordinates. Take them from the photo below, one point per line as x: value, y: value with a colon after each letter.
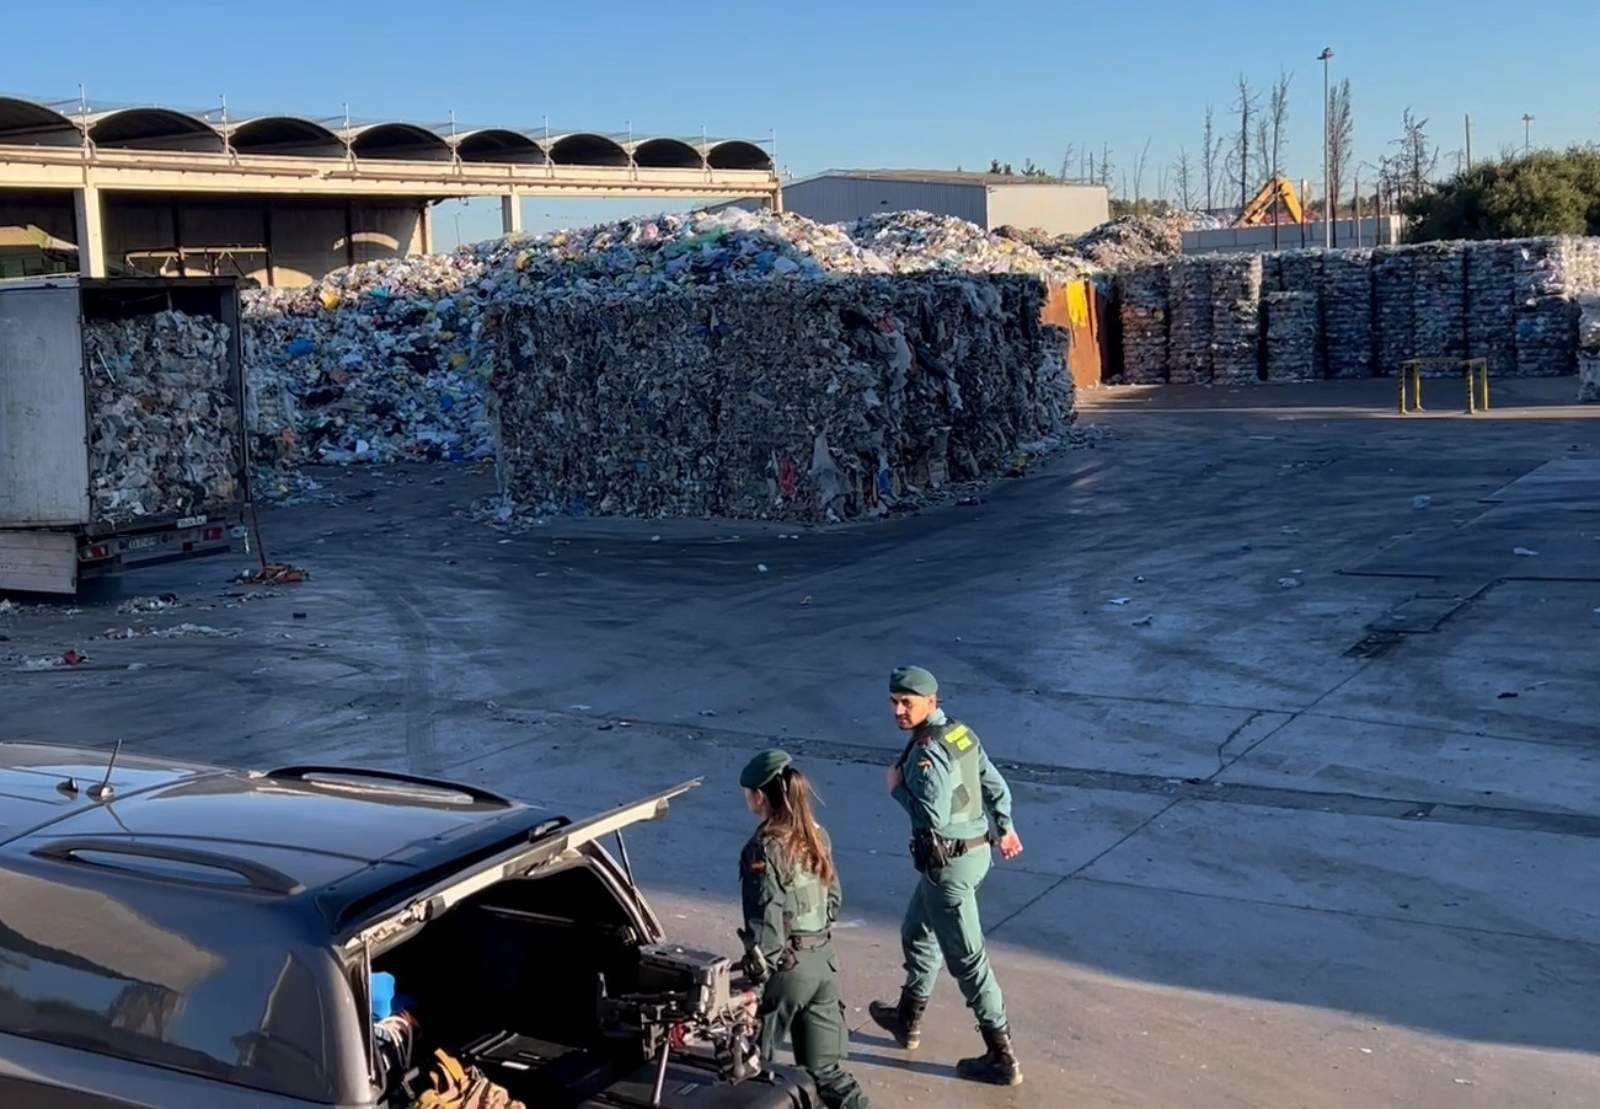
x: 809, y: 941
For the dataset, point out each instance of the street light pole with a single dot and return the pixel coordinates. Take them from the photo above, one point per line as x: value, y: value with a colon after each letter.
x: 1327, y: 197
x: 1527, y: 134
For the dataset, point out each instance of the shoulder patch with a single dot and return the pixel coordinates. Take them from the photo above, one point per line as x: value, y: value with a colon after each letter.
x: 959, y: 737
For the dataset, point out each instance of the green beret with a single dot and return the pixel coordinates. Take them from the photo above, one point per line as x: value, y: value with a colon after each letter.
x: 913, y: 679
x: 763, y: 768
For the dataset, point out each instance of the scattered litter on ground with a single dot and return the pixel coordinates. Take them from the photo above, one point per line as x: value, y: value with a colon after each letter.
x: 1506, y: 695
x: 1524, y: 552
x: 1119, y: 600
x: 1289, y: 583
x: 1143, y: 621
x: 7, y: 607
x: 1421, y: 501
x: 274, y: 573
x: 149, y: 604
x: 761, y: 567
x: 138, y: 666
x: 73, y: 657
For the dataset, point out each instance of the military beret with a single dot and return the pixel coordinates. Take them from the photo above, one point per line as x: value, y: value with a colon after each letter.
x: 763, y: 768
x: 913, y: 679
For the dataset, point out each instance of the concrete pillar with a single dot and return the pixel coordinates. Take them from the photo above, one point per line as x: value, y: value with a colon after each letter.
x: 511, y: 214
x: 424, y: 238
x: 775, y: 202
x: 91, y: 232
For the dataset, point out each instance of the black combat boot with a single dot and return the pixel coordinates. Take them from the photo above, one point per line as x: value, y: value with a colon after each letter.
x: 903, y: 1021
x: 997, y: 1066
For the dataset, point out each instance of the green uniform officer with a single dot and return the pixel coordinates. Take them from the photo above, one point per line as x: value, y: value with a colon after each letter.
x: 952, y: 792
x: 791, y: 898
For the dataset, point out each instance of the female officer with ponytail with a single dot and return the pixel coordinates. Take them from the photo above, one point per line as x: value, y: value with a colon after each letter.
x: 791, y: 898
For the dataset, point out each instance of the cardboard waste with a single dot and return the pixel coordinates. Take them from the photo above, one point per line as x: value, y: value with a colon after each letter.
x: 817, y: 400
x: 164, y: 431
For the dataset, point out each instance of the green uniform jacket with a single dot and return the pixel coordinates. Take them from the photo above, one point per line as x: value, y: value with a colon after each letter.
x: 930, y: 779
x: 768, y: 885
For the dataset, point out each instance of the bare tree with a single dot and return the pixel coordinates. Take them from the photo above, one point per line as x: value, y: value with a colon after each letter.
x: 1138, y: 173
x: 1244, y: 109
x: 1183, y: 177
x: 1261, y: 157
x: 1277, y: 138
x: 1066, y: 162
x: 1417, y: 159
x: 1106, y: 165
x: 1341, y: 141
x: 1210, y: 150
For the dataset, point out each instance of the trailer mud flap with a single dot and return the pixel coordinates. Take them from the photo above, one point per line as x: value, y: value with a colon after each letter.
x: 39, y: 561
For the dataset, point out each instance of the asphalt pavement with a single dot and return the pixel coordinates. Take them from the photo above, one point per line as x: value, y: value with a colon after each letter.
x: 1296, y: 696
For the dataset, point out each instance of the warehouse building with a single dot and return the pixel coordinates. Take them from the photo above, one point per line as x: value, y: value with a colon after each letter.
x: 283, y: 200
x: 989, y: 200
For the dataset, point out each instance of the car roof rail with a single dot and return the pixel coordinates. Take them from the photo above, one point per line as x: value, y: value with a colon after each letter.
x: 260, y: 878
x: 307, y: 771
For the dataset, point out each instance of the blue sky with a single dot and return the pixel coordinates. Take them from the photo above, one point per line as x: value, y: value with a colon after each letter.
x: 869, y: 83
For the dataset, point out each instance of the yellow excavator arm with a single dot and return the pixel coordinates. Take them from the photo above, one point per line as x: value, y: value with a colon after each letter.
x: 1256, y: 211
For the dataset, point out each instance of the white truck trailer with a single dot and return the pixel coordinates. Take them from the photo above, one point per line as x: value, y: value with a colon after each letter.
x: 122, y: 426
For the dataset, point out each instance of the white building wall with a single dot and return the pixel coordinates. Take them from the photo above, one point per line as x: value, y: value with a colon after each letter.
x: 1057, y: 209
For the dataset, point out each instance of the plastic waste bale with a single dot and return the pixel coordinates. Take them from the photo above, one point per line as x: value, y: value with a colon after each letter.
x: 815, y: 400
x: 1589, y: 349
x: 164, y: 426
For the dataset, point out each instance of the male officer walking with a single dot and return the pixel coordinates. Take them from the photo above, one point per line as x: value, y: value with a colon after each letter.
x: 951, y: 791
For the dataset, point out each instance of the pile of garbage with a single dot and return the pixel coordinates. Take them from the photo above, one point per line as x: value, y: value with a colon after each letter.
x: 372, y: 363
x: 391, y: 360
x: 1124, y: 241
x: 816, y: 401
x: 164, y: 434
x: 917, y: 242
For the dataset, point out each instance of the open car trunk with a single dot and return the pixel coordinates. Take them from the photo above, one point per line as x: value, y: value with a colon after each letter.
x: 510, y: 978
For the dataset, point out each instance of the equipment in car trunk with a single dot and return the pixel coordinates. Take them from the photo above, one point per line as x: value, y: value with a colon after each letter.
x: 556, y: 1076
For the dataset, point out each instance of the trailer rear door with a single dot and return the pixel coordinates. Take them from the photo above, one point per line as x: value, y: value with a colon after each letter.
x: 44, y: 462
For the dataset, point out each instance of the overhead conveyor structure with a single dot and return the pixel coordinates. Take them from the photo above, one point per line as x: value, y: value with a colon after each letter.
x: 128, y: 183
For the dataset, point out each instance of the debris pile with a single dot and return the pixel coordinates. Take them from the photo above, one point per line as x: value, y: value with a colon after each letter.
x: 164, y: 434
x: 1128, y: 240
x: 1589, y: 350
x: 810, y: 400
x: 915, y: 242
x: 372, y: 363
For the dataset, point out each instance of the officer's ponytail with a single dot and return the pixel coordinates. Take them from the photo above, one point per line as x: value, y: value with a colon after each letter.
x: 791, y: 822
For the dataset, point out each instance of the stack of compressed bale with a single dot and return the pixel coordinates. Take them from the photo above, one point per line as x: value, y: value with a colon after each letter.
x: 1393, y: 305
x: 1589, y: 349
x: 1142, y: 309
x: 1291, y: 346
x: 1546, y: 326
x: 1235, y: 318
x: 1490, y: 270
x: 1346, y: 295
x: 1189, y: 316
x: 1439, y: 305
x: 803, y: 400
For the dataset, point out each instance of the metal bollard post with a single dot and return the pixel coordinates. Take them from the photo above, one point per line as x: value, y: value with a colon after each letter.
x: 1416, y: 388
x: 1472, y: 389
x: 1483, y: 386
x: 1401, y: 376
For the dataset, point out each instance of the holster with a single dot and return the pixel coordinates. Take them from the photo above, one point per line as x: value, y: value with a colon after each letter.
x: 932, y: 852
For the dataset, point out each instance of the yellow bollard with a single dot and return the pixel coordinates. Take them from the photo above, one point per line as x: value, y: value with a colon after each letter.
x: 1416, y: 388
x: 1483, y: 386
x: 1467, y: 378
x: 1401, y: 376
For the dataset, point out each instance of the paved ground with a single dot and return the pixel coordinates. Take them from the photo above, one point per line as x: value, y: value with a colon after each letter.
x: 1309, y: 775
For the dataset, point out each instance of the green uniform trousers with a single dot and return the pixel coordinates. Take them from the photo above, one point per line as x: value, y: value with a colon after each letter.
x: 804, y: 1002
x: 941, y: 926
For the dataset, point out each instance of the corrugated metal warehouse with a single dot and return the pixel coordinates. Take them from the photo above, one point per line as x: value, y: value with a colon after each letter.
x: 989, y: 200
